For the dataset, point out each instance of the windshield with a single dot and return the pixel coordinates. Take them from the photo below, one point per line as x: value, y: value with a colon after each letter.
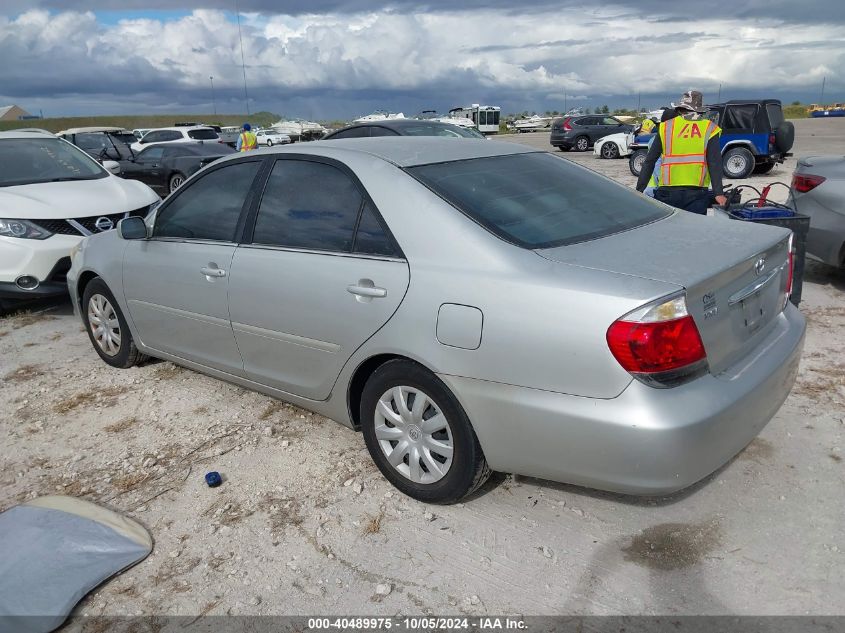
x: 537, y: 200
x: 126, y: 138
x: 26, y: 161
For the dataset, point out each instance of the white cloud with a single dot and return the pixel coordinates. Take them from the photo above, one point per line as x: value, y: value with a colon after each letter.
x: 442, y: 56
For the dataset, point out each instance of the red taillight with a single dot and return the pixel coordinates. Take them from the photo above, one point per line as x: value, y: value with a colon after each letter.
x: 806, y: 182
x: 566, y: 125
x: 772, y: 139
x: 647, y: 348
x: 659, y: 344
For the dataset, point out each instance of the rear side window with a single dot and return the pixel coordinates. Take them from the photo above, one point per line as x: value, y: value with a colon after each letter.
x: 308, y: 205
x: 355, y: 132
x: 739, y: 117
x: 203, y: 135
x: 538, y: 200
x: 208, y: 208
x: 775, y: 113
x: 371, y: 237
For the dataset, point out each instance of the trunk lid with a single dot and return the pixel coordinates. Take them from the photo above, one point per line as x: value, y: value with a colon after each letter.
x: 735, y: 274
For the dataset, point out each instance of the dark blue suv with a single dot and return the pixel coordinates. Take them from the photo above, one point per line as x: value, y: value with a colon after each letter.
x: 755, y: 137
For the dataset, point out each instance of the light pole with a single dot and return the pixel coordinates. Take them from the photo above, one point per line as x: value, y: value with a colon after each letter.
x: 213, y: 102
x: 243, y: 62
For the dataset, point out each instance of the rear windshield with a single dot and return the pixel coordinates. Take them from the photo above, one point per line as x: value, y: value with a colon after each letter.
x: 26, y: 161
x: 538, y: 200
x: 432, y: 129
x: 203, y: 135
x: 775, y: 114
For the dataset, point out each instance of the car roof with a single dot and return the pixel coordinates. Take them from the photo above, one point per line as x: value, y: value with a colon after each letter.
x: 181, y: 128
x: 82, y: 130
x: 26, y: 133
x: 398, y: 124
x: 744, y: 102
x: 405, y: 151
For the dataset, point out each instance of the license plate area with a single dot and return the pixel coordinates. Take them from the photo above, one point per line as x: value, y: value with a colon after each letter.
x: 753, y: 311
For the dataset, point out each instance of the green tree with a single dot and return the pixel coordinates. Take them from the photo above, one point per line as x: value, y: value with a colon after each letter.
x: 597, y: 110
x: 796, y: 103
x: 605, y: 109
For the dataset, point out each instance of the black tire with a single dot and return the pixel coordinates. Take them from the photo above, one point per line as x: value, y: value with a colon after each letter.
x: 269, y: 143
x: 763, y: 168
x: 175, y: 181
x: 737, y: 163
x: 127, y: 354
x: 610, y: 150
x: 635, y: 162
x: 468, y: 470
x: 785, y: 136
x: 582, y: 144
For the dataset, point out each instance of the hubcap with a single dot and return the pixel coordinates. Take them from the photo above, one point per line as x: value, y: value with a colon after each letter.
x: 582, y: 143
x: 638, y: 162
x: 736, y: 164
x: 414, y: 435
x: 176, y: 182
x: 105, y: 327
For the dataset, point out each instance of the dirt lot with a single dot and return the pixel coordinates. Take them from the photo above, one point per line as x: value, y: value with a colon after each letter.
x: 304, y: 523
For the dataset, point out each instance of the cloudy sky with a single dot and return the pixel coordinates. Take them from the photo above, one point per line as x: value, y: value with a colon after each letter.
x: 327, y: 59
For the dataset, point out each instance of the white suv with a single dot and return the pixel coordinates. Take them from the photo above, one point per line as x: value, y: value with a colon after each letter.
x: 177, y: 134
x: 52, y: 194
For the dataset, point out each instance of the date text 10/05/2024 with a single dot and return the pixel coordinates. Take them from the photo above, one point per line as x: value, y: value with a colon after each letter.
x: 417, y: 624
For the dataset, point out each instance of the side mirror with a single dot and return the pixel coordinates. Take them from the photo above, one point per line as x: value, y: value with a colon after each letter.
x: 112, y: 167
x: 133, y: 228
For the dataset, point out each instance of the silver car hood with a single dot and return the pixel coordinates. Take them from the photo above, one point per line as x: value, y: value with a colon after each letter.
x: 683, y: 249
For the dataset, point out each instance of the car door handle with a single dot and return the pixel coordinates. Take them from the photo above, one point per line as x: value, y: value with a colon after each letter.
x: 212, y: 272
x: 363, y: 289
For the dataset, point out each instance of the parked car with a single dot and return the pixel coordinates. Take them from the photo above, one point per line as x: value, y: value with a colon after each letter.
x: 139, y: 133
x: 177, y: 134
x: 101, y: 143
x: 755, y: 137
x: 818, y: 190
x: 165, y: 167
x: 271, y: 137
x: 405, y: 127
x: 620, y: 144
x: 563, y: 327
x: 51, y: 195
x: 581, y: 132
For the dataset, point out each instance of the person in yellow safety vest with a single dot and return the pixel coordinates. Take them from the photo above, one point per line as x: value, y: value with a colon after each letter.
x: 247, y: 140
x: 647, y: 126
x: 691, y: 160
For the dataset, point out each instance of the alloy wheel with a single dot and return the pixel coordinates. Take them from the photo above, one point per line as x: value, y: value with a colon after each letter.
x: 582, y: 144
x: 104, y: 324
x: 175, y: 183
x: 414, y: 434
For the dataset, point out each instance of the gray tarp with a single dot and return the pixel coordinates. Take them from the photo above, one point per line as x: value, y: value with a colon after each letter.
x: 53, y: 551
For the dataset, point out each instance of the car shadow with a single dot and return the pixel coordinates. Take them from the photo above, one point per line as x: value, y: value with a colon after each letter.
x: 824, y: 275
x: 57, y: 306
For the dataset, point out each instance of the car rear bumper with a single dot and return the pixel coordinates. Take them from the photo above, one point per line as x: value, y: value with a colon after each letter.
x: 646, y: 441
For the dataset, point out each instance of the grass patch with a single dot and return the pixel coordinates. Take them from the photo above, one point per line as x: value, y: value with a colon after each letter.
x: 272, y: 409
x: 121, y: 425
x: 23, y: 319
x: 166, y: 371
x: 130, y: 481
x: 105, y: 397
x: 23, y: 373
x: 373, y: 524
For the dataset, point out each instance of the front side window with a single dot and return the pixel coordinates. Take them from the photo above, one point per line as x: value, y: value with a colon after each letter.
x: 151, y: 155
x: 537, y: 200
x: 308, y: 205
x: 208, y: 208
x: 26, y: 161
x: 153, y: 137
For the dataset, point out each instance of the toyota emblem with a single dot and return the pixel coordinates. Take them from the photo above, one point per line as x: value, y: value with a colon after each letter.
x: 760, y: 265
x: 104, y: 224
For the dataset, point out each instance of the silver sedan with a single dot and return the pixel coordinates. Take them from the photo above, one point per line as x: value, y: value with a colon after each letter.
x: 469, y: 306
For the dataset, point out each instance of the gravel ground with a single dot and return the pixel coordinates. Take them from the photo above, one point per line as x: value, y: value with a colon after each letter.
x: 305, y: 524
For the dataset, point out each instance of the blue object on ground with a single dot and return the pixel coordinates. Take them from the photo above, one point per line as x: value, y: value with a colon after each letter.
x: 760, y: 213
x: 213, y: 479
